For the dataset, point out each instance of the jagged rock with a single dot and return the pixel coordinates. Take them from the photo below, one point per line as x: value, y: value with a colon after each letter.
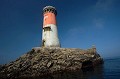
x: 42, y: 61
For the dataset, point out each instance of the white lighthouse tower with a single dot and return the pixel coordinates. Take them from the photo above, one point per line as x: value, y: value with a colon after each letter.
x: 49, y: 33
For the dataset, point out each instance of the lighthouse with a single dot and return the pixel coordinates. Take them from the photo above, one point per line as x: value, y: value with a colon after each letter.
x: 49, y: 30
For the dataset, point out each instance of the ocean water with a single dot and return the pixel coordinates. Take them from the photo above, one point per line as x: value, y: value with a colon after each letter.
x: 109, y: 70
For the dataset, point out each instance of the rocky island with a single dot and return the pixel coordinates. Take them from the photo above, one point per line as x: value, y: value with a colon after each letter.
x: 47, y: 61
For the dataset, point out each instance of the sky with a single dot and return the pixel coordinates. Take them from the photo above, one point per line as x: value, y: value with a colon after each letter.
x: 80, y: 23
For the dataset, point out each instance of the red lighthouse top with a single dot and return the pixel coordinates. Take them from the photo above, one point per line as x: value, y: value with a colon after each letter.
x: 49, y: 14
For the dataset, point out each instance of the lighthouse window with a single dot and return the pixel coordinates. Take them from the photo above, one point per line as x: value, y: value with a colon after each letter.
x: 47, y: 29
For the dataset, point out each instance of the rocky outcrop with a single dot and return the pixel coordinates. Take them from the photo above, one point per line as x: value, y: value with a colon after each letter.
x: 44, y: 61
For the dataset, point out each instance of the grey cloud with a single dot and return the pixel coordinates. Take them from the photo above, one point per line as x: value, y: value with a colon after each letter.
x: 104, y: 4
x: 98, y: 23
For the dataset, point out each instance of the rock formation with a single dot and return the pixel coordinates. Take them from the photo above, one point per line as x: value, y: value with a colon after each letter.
x: 44, y: 61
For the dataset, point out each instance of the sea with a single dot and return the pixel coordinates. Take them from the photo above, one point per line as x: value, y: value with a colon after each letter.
x: 109, y: 70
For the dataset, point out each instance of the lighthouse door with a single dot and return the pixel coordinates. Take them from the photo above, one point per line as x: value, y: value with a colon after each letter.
x: 43, y: 43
